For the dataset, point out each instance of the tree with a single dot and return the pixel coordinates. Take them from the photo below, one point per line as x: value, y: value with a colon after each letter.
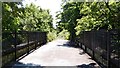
x: 10, y: 13
x: 99, y: 15
x: 30, y: 18
x: 36, y: 19
x: 68, y: 17
x: 77, y: 17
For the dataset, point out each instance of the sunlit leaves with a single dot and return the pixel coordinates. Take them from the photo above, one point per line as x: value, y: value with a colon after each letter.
x: 29, y: 18
x: 9, y: 16
x: 86, y: 9
x: 98, y: 15
x: 7, y: 7
x: 68, y: 17
x: 90, y: 15
x: 36, y: 19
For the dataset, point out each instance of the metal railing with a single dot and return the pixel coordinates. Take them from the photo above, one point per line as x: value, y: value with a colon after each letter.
x: 16, y: 45
x: 102, y: 45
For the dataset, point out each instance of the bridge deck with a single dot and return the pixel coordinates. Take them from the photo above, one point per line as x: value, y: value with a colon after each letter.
x: 57, y: 53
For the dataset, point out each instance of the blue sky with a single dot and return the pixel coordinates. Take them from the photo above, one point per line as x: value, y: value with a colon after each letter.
x: 52, y: 5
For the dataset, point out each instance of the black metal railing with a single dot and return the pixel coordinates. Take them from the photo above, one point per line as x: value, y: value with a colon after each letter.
x: 16, y: 45
x: 102, y: 45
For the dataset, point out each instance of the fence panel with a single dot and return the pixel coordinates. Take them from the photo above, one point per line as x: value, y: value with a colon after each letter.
x: 103, y: 46
x: 16, y: 45
x: 100, y: 47
x: 115, y: 48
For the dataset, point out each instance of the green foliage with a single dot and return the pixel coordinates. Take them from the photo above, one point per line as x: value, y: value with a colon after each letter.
x: 64, y: 34
x: 68, y: 18
x: 51, y: 35
x: 28, y: 18
x: 99, y: 16
x: 10, y: 12
x: 85, y: 16
x: 74, y: 18
x: 36, y: 19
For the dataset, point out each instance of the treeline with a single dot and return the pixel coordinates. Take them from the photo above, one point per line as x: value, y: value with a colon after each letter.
x: 85, y: 16
x: 74, y: 18
x: 16, y: 17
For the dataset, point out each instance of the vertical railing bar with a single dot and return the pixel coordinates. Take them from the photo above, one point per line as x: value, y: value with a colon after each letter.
x: 35, y: 40
x: 27, y: 33
x: 118, y: 32
x: 93, y: 45
x: 15, y: 38
x: 108, y: 49
x: 82, y: 40
x: 84, y: 43
x: 119, y: 52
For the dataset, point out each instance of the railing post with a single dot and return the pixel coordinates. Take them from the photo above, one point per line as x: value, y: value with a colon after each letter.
x: 27, y: 41
x: 80, y: 45
x: 15, y: 43
x: 84, y: 41
x: 93, y: 55
x: 35, y: 40
x: 45, y: 37
x: 108, y: 49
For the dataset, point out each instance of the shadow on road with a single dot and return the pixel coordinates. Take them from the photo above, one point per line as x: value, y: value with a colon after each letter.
x: 22, y: 65
x: 73, y: 45
x: 69, y: 44
x: 31, y: 65
x: 91, y: 65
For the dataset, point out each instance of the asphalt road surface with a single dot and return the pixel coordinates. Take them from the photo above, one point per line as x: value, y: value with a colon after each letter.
x: 57, y: 53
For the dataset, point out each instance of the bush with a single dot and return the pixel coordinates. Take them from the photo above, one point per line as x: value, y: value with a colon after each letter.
x: 51, y: 35
x: 64, y: 34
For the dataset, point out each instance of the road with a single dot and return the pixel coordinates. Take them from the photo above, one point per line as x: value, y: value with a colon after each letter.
x: 58, y: 53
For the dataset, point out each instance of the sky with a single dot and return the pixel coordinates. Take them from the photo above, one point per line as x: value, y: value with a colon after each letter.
x: 52, y: 5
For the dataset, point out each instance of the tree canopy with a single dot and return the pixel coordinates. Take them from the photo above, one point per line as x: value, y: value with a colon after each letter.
x: 29, y: 18
x: 74, y: 17
x: 85, y: 16
x: 16, y: 17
